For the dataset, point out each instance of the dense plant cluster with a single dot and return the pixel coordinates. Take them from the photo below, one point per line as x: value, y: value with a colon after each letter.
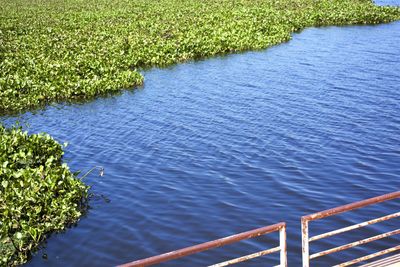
x: 60, y: 50
x: 38, y: 194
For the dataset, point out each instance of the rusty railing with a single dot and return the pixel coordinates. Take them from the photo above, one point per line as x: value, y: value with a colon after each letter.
x: 356, y: 205
x: 281, y: 227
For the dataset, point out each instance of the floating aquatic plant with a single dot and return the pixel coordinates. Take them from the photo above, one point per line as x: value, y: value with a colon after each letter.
x: 38, y: 193
x: 68, y: 50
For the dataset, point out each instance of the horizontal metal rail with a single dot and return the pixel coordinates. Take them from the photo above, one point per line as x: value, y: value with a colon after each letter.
x: 356, y: 226
x: 330, y: 212
x: 390, y: 261
x: 370, y: 256
x: 351, y: 206
x: 281, y: 227
x: 248, y: 257
x: 354, y: 244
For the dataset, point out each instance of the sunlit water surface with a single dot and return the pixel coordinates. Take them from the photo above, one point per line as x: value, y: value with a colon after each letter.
x: 210, y: 148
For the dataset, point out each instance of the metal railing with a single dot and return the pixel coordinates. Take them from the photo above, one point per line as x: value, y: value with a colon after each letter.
x: 356, y: 205
x: 281, y: 227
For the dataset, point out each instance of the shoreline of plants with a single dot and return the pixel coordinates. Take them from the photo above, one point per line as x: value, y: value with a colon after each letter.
x: 57, y: 51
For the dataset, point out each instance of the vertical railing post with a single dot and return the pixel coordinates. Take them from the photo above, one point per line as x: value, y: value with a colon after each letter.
x: 282, y: 244
x: 305, y: 243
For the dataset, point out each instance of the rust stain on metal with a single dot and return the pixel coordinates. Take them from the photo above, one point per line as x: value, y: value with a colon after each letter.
x: 247, y: 257
x: 205, y: 246
x: 370, y: 256
x: 305, y: 243
x: 354, y: 244
x: 282, y: 248
x: 356, y: 226
x: 349, y: 207
x: 391, y: 261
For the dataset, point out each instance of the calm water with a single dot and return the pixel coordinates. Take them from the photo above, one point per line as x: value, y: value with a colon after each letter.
x: 211, y: 148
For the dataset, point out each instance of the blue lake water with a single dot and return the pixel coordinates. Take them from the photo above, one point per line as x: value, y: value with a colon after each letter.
x: 211, y: 148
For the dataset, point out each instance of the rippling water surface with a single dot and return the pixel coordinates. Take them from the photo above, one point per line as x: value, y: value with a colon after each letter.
x: 210, y: 148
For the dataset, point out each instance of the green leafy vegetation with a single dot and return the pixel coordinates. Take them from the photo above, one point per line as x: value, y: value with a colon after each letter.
x: 38, y: 194
x: 64, y: 50
x: 69, y: 50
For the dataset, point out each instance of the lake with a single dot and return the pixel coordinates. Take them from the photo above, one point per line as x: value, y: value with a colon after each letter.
x: 210, y: 148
